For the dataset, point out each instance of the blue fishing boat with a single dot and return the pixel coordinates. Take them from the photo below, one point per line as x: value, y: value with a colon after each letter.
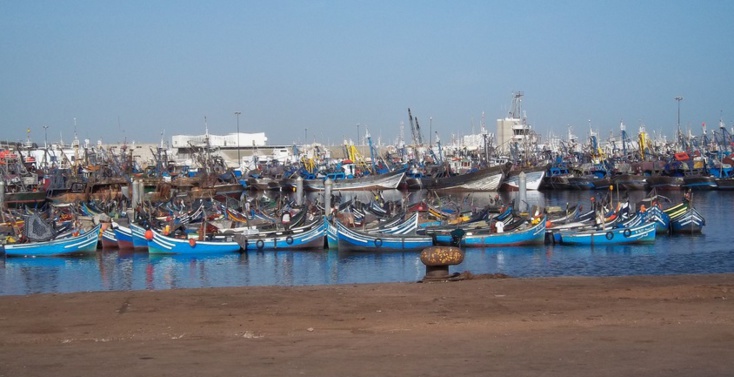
x: 161, y: 244
x: 644, y: 233
x: 685, y: 219
x: 305, y: 238
x: 352, y: 240
x: 85, y: 243
x: 689, y: 221
x: 124, y: 237
x: 530, y: 233
x: 108, y: 240
x: 140, y: 241
x: 332, y: 239
x: 659, y: 217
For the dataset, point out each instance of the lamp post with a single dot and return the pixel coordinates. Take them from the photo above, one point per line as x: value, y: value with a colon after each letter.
x: 357, y: 142
x: 430, y: 132
x: 237, y: 114
x: 678, y: 99
x: 45, y: 145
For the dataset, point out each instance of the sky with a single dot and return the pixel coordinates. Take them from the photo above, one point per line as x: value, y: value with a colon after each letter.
x: 326, y: 71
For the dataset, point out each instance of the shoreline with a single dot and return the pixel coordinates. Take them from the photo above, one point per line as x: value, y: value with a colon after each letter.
x: 562, y: 326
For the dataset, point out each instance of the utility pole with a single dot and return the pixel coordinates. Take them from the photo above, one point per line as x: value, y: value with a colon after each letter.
x: 430, y: 132
x: 237, y: 114
x: 678, y: 99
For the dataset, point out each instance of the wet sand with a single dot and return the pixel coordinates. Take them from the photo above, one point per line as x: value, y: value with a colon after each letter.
x: 621, y: 326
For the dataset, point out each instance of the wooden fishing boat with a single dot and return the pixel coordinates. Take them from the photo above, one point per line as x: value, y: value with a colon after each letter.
x: 108, y: 240
x: 303, y: 238
x: 533, y: 179
x: 699, y: 182
x: 132, y: 237
x: 485, y: 179
x: 332, y: 238
x: 124, y: 237
x: 140, y: 241
x: 528, y: 233
x: 353, y: 240
x: 388, y: 181
x: 81, y: 244
x: 629, y: 182
x: 684, y: 219
x: 160, y: 244
x: 664, y: 182
x: 659, y: 217
x: 644, y: 233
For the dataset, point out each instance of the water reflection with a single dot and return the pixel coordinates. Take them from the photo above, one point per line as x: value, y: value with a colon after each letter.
x: 710, y: 252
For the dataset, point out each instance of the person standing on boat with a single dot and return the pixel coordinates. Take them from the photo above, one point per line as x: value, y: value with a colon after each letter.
x: 500, y: 226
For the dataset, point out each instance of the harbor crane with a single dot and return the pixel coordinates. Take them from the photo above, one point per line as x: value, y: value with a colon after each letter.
x: 416, y: 129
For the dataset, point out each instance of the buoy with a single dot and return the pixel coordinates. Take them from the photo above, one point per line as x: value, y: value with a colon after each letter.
x: 548, y: 224
x: 192, y: 242
x: 149, y: 235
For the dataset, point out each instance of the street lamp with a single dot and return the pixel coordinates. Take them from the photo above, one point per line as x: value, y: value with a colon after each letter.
x: 45, y: 136
x: 430, y: 132
x: 678, y: 99
x: 239, y: 161
x: 357, y: 142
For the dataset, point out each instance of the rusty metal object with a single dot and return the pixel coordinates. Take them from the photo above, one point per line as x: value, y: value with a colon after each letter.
x: 442, y: 255
x: 438, y: 259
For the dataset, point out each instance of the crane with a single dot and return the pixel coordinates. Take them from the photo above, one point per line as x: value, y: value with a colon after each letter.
x: 415, y: 129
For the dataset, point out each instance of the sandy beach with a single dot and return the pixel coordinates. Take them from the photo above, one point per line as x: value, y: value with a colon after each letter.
x: 620, y: 326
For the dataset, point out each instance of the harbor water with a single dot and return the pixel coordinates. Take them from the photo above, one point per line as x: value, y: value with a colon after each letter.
x: 710, y: 252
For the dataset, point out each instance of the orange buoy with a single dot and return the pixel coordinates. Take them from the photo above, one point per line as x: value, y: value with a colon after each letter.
x: 149, y: 235
x: 548, y: 224
x: 192, y: 242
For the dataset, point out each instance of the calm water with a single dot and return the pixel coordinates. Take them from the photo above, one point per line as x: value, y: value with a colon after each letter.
x: 711, y: 252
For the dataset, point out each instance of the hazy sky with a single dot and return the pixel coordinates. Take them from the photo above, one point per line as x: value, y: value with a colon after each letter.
x: 133, y: 70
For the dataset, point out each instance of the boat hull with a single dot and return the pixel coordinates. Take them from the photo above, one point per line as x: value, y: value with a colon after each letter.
x: 351, y: 240
x: 389, y: 181
x: 161, y: 244
x: 308, y: 239
x: 644, y: 233
x: 533, y: 180
x: 82, y: 244
x: 534, y: 235
x: 487, y: 179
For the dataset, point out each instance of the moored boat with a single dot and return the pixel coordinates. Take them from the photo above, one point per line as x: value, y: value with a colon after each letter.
x: 387, y: 181
x: 529, y: 233
x: 533, y: 179
x: 484, y: 179
x: 85, y: 243
x: 353, y: 240
x: 307, y: 238
x: 160, y: 244
x: 644, y: 233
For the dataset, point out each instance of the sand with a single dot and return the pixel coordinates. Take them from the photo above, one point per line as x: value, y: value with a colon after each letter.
x: 618, y: 326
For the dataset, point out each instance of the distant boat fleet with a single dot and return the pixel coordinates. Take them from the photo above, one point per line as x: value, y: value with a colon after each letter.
x: 193, y: 199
